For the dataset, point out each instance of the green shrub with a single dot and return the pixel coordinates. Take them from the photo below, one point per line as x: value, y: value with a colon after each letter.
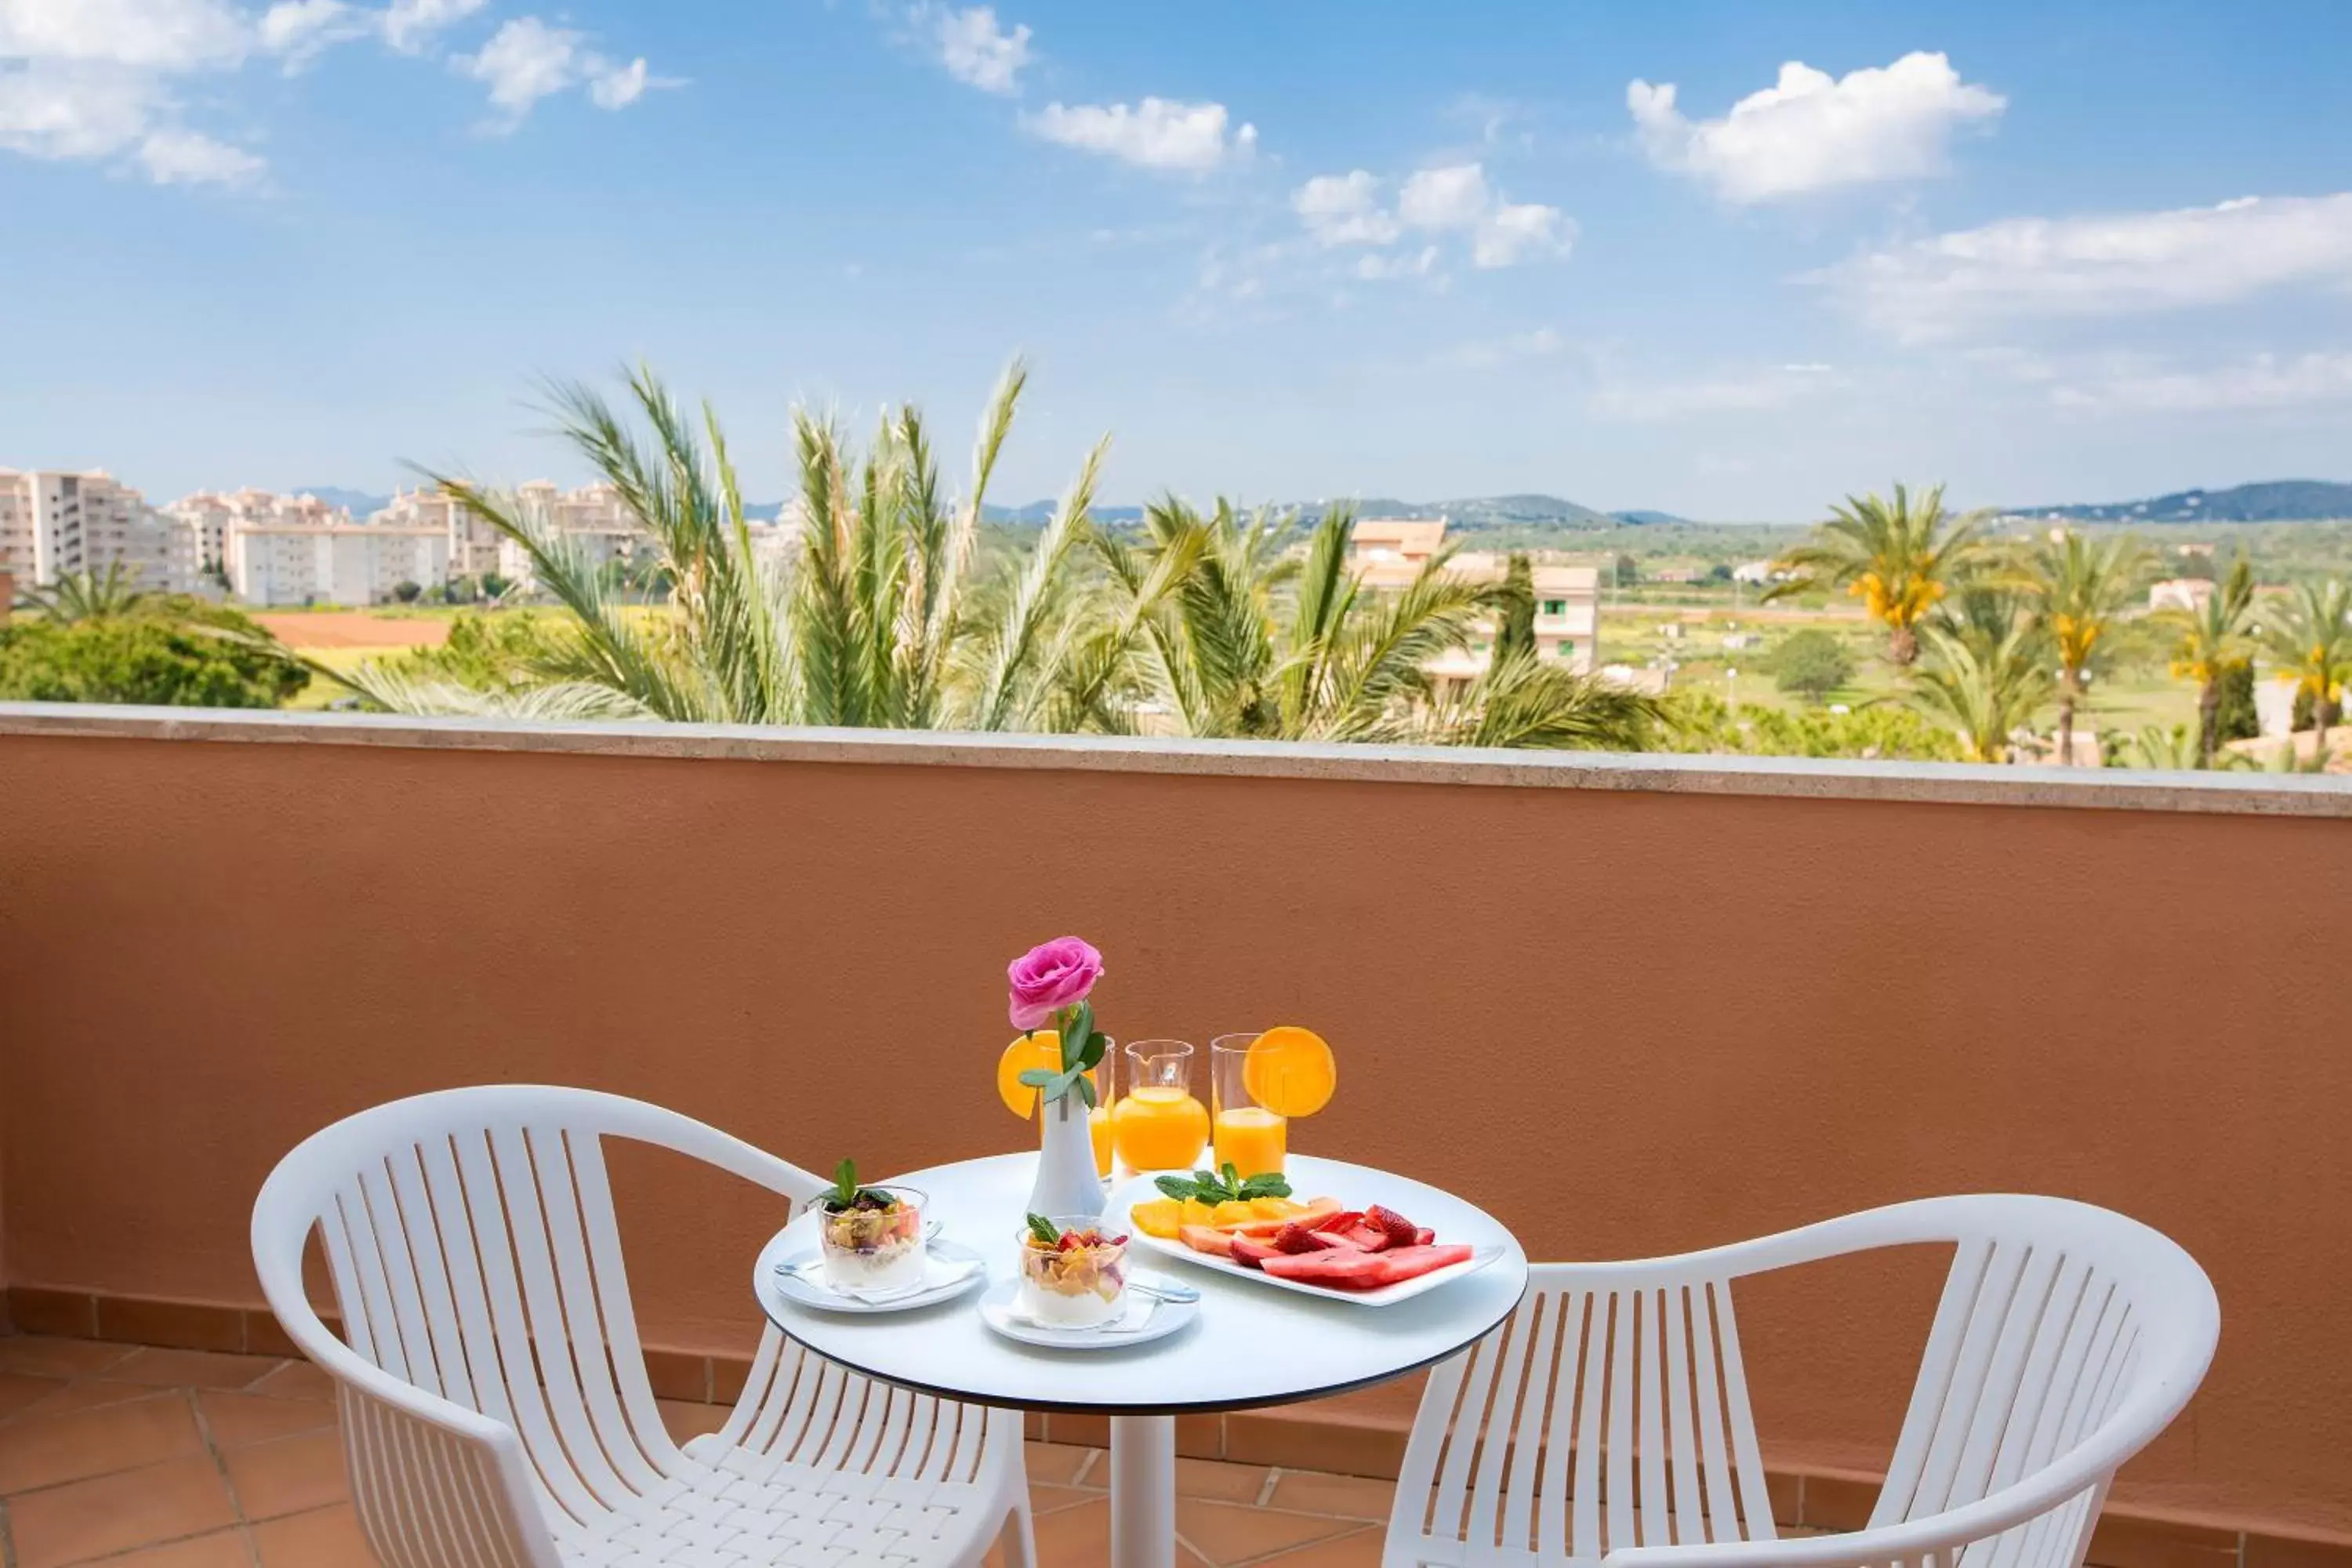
x: 169, y: 652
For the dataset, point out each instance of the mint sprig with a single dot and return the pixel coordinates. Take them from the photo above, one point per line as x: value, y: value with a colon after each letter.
x: 1043, y: 1229
x: 1223, y: 1186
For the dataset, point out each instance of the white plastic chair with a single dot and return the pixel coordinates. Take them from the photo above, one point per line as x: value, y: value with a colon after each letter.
x: 496, y: 1408
x: 1615, y: 1420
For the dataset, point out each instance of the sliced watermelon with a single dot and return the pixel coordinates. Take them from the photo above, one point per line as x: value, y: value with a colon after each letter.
x: 1249, y: 1250
x: 1324, y: 1240
x: 1206, y: 1238
x: 1366, y: 1235
x: 1339, y: 1270
x: 1401, y: 1264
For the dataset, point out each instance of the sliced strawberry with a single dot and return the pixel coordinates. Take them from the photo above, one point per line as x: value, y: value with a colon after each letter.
x: 1294, y: 1238
x: 1366, y: 1235
x: 1401, y: 1230
x: 1326, y: 1241
x: 1423, y: 1237
x: 1249, y: 1250
x: 1344, y: 1220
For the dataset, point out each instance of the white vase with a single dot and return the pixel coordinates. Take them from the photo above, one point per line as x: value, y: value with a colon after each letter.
x: 1066, y: 1185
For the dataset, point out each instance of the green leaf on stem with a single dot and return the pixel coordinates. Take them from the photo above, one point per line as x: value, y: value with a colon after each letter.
x: 1092, y: 1055
x: 1043, y: 1229
x: 1086, y: 1091
x: 1037, y: 1077
x: 845, y: 1183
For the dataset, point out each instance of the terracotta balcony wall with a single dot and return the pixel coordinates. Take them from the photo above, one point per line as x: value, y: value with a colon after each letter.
x: 1631, y: 1005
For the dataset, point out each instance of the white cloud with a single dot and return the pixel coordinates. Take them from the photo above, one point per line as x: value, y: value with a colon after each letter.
x: 1543, y: 342
x: 159, y: 34
x: 300, y: 29
x: 2121, y: 264
x: 1502, y: 233
x: 1735, y: 392
x: 2258, y: 382
x: 1381, y: 268
x: 1510, y: 234
x: 1344, y: 209
x: 409, y: 26
x: 73, y: 111
x: 1810, y: 132
x: 1158, y: 134
x: 979, y: 51
x: 526, y: 60
x: 188, y: 157
x: 1446, y: 198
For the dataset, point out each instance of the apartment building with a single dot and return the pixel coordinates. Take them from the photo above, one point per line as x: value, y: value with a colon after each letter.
x: 16, y: 524
x: 472, y: 543
x: 332, y: 564
x: 1390, y: 552
x: 55, y: 522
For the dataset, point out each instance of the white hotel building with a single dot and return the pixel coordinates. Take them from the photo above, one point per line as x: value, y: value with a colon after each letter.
x: 332, y: 564
x: 55, y: 522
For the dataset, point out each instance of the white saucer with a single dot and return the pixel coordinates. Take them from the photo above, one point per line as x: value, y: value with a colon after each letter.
x: 949, y: 1268
x: 1146, y: 1319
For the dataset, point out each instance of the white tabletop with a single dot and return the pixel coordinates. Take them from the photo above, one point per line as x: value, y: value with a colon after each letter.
x: 1253, y: 1344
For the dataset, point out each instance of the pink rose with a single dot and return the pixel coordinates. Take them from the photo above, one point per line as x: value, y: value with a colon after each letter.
x: 1049, y: 977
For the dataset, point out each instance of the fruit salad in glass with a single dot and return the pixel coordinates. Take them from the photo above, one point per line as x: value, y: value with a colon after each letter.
x: 1073, y: 1275
x: 871, y: 1237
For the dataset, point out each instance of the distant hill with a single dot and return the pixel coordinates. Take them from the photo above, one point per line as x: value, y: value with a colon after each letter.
x: 359, y: 503
x: 2274, y: 500
x: 1469, y: 514
x: 1639, y: 518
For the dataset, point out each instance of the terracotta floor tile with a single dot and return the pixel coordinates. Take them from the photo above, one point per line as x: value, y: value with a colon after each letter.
x: 115, y: 1512
x: 1057, y: 1463
x: 1361, y: 1549
x: 223, y: 1549
x: 40, y: 1356
x: 291, y: 1475
x: 296, y: 1380
x: 45, y: 1450
x: 685, y: 1417
x: 89, y: 1393
x: 1075, y: 1537
x: 1218, y: 1481
x: 240, y: 1420
x: 18, y: 1390
x: 1044, y: 1499
x: 192, y: 1369
x: 1230, y: 1532
x: 324, y: 1538
x: 1349, y: 1497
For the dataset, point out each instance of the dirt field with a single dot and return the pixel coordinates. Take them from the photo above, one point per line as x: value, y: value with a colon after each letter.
x: 356, y: 628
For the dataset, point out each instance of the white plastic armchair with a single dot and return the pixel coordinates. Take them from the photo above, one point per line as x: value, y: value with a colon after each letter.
x: 496, y: 1408
x: 1607, y: 1418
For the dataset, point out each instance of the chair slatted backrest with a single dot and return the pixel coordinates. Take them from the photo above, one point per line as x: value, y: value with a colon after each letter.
x: 1611, y: 1411
x: 1593, y: 1419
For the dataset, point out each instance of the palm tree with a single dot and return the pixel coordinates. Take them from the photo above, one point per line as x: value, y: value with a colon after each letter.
x: 876, y: 625
x: 2213, y: 637
x: 1237, y: 634
x: 2079, y: 591
x: 1987, y: 670
x: 2311, y: 638
x: 87, y: 595
x: 1898, y: 557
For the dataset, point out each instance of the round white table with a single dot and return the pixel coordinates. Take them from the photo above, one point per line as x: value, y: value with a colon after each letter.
x: 1252, y: 1344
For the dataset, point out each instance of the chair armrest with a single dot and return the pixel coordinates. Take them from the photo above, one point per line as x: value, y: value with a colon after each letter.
x: 1944, y: 1533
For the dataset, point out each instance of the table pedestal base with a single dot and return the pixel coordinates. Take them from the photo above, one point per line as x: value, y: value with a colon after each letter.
x: 1143, y: 1492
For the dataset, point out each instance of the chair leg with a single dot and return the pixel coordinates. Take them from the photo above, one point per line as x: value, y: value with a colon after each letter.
x: 1019, y: 1537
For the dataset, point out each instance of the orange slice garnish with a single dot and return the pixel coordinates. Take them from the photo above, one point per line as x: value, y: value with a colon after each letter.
x: 1289, y: 1070
x: 1041, y: 1049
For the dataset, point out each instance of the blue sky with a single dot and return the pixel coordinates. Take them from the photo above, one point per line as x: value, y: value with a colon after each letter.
x: 1279, y: 251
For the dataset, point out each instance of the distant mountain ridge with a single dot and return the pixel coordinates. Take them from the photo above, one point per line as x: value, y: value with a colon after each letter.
x: 2272, y: 501
x: 1469, y: 514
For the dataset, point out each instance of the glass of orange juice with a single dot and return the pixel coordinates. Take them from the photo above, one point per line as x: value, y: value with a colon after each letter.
x: 1248, y: 1135
x: 1156, y: 1125
x: 1098, y: 1119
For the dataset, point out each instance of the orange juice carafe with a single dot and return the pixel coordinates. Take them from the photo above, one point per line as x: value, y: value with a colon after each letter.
x: 1156, y: 1125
